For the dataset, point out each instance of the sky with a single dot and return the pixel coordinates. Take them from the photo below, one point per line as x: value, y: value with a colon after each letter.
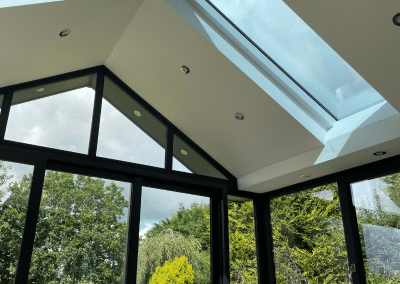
x: 63, y: 121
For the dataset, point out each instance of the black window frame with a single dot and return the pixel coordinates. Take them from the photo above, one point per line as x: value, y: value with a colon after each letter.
x: 43, y: 158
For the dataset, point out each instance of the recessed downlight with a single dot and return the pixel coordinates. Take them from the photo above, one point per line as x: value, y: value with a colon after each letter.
x: 305, y: 175
x: 379, y: 153
x: 137, y: 113
x: 239, y: 116
x: 185, y: 69
x: 396, y: 19
x: 184, y: 152
x: 40, y: 90
x: 64, y: 33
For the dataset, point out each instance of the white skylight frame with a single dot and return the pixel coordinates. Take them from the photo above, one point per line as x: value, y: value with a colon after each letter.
x: 268, y: 68
x: 15, y: 3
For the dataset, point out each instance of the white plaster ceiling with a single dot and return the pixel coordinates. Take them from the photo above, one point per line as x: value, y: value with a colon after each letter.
x: 145, y: 45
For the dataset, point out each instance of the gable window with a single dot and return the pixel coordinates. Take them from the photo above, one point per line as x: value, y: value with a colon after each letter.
x: 129, y: 132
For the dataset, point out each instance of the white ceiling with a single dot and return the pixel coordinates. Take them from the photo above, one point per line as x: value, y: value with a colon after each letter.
x: 145, y: 45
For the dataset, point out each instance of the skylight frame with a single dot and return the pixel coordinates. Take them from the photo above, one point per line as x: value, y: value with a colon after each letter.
x: 222, y: 25
x: 326, y: 110
x: 272, y: 60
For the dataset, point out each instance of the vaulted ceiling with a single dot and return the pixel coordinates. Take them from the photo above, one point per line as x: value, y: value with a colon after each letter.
x: 145, y: 43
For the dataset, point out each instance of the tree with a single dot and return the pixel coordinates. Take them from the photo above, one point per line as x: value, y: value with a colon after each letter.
x: 308, y: 236
x: 80, y: 234
x: 242, y: 243
x: 167, y: 246
x: 178, y: 271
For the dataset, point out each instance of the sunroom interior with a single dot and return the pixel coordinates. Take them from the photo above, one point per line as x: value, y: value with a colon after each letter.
x: 199, y: 141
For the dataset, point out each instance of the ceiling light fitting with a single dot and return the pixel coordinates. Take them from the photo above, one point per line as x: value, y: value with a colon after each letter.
x: 185, y: 69
x: 137, y: 113
x: 239, y: 116
x: 305, y: 175
x: 64, y: 33
x: 380, y: 153
x: 396, y: 19
x: 183, y: 152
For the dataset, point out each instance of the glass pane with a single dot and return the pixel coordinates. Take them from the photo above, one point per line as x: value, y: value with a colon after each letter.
x: 15, y: 184
x: 377, y: 203
x: 309, y: 243
x: 174, y: 243
x: 128, y: 132
x: 283, y: 35
x: 56, y: 115
x: 242, y: 243
x: 186, y: 159
x: 81, y: 230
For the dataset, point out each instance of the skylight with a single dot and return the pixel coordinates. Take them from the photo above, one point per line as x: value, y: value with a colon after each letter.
x: 297, y: 49
x: 13, y: 3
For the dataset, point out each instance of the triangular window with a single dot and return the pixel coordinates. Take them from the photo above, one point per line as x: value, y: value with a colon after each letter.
x: 128, y: 132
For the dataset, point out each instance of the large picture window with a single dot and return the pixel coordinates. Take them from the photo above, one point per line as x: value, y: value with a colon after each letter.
x: 308, y: 237
x: 174, y: 241
x: 81, y: 230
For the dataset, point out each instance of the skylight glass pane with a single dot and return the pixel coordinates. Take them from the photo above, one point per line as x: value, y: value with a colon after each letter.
x: 276, y: 29
x: 56, y: 115
x: 13, y: 3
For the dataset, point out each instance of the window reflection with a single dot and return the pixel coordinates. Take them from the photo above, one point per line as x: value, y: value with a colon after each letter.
x: 377, y: 203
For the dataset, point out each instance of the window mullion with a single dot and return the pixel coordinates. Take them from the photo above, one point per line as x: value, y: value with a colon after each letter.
x: 352, y: 236
x: 94, y: 132
x: 5, y: 111
x: 132, y: 238
x: 32, y: 214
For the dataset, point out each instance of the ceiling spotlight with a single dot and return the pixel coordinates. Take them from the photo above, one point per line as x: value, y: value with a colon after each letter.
x: 183, y: 152
x: 380, y: 153
x: 185, y: 69
x: 40, y: 90
x: 64, y: 33
x: 305, y: 175
x: 239, y: 116
x: 137, y: 113
x: 396, y: 19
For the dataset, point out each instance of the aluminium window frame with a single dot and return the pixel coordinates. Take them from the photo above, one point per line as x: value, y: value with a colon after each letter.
x: 44, y: 158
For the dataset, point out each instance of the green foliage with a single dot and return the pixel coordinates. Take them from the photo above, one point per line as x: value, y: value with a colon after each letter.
x: 79, y: 236
x: 309, y: 243
x: 187, y: 221
x: 242, y: 243
x: 12, y: 219
x: 178, y: 271
x: 168, y: 245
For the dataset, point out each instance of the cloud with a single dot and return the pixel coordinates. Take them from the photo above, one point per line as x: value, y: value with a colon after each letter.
x: 148, y: 226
